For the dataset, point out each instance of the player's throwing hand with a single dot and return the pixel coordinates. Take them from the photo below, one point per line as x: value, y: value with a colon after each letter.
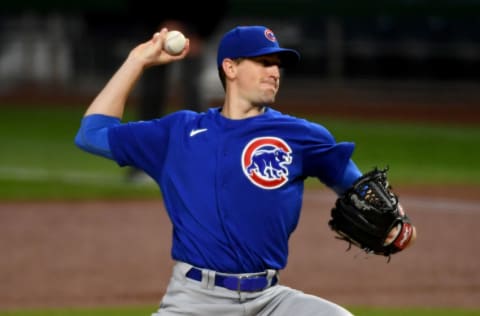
x: 152, y: 52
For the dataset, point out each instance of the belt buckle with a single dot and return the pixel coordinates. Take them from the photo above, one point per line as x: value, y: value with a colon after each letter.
x: 240, y: 278
x: 254, y: 285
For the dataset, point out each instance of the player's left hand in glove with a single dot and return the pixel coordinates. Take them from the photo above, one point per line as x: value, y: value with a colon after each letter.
x: 369, y: 216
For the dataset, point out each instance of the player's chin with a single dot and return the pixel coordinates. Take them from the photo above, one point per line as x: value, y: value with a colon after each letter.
x: 268, y: 97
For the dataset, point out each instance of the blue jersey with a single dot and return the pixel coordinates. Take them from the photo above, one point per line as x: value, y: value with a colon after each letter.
x: 232, y: 188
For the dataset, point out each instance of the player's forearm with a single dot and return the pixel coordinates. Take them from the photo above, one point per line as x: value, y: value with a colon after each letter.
x: 112, y: 98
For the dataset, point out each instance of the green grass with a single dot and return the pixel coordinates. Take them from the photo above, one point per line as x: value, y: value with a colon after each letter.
x: 118, y: 311
x: 144, y: 310
x: 416, y: 153
x: 39, y: 160
x: 413, y: 312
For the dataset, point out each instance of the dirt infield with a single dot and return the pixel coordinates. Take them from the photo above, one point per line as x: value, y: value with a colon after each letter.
x: 115, y: 253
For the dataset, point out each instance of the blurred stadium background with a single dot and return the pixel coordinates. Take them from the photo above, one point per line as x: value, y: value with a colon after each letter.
x: 425, y: 51
x: 410, y: 59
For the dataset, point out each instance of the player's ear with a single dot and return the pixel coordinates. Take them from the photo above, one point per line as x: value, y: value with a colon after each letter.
x: 229, y: 67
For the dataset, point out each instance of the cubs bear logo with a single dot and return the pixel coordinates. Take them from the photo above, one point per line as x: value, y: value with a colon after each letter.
x: 265, y: 161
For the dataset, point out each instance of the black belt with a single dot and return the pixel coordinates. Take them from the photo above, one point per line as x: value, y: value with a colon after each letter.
x: 242, y: 283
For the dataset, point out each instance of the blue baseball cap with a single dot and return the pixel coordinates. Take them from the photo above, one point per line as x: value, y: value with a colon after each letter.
x: 253, y: 41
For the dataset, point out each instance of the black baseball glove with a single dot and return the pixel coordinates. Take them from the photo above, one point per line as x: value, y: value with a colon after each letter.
x: 368, y: 213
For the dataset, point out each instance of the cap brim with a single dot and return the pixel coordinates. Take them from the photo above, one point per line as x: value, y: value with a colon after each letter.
x: 288, y: 57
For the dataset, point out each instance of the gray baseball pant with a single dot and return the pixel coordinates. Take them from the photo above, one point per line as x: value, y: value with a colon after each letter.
x: 185, y: 296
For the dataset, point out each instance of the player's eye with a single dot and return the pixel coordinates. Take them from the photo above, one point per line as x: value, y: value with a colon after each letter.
x: 267, y: 61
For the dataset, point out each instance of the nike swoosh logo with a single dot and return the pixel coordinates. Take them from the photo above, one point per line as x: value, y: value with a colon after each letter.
x: 197, y: 131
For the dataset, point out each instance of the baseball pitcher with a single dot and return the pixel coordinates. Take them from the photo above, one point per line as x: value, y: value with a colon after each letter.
x: 232, y: 180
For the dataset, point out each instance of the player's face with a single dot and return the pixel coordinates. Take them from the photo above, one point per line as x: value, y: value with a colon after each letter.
x: 259, y: 78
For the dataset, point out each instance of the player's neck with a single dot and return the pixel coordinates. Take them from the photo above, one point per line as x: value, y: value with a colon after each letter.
x: 239, y: 112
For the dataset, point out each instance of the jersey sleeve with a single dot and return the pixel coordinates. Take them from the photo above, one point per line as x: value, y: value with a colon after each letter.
x: 136, y: 143
x: 350, y: 175
x: 324, y: 158
x: 92, y: 134
x: 144, y: 144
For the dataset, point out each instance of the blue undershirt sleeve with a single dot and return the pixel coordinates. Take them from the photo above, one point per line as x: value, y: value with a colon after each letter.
x: 92, y: 135
x: 350, y: 175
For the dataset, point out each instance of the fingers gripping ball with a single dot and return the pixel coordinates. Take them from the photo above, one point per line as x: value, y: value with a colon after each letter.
x: 368, y: 213
x: 174, y: 42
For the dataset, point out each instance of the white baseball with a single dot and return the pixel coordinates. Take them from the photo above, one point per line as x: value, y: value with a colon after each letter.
x: 174, y: 42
